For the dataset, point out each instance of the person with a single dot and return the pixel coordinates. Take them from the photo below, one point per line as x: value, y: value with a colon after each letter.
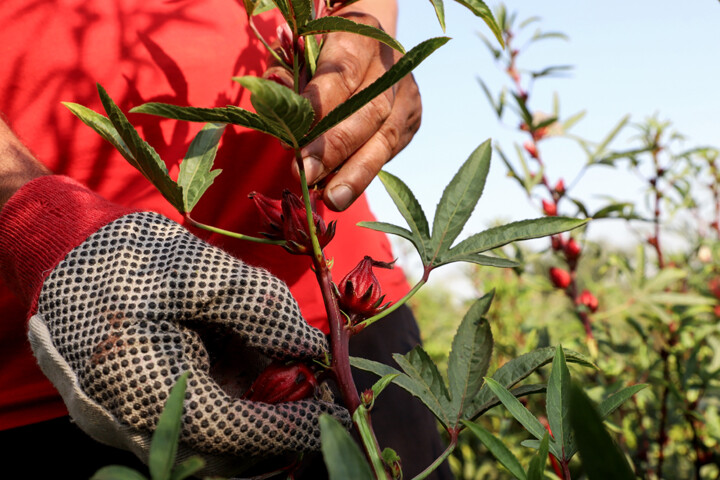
x: 182, y: 52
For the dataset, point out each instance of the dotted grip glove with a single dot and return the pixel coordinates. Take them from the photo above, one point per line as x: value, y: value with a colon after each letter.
x: 140, y: 301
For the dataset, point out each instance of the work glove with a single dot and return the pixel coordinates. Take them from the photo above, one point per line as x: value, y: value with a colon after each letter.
x: 138, y: 302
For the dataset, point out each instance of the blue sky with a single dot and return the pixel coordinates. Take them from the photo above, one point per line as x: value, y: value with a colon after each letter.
x: 636, y: 57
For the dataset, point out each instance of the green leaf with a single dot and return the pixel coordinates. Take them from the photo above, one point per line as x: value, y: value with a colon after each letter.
x: 475, y: 411
x: 480, y: 9
x: 498, y: 449
x: 405, y: 65
x: 187, y: 468
x: 517, y: 409
x: 515, y: 231
x: 552, y: 71
x: 302, y: 10
x: 557, y: 403
x: 498, y: 107
x: 536, y: 470
x: 382, y: 384
x: 163, y: 447
x: 117, y: 472
x: 439, y: 12
x: 141, y: 155
x: 416, y: 388
x: 600, y: 456
x: 280, y: 106
x: 459, y: 198
x: 477, y: 259
x: 342, y: 456
x: 230, y: 114
x: 470, y: 355
x: 672, y: 298
x: 411, y: 211
x: 614, y: 401
x: 195, y: 170
x: 340, y: 24
x: 418, y: 365
x: 101, y: 124
x: 256, y: 7
x: 392, y: 229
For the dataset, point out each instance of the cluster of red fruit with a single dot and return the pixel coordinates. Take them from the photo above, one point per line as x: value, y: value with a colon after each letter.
x: 563, y: 279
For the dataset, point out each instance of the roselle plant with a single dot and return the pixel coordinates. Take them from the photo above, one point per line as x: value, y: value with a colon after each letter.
x: 356, y: 302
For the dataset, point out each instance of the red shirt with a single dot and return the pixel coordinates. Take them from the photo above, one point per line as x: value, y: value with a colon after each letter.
x: 183, y: 52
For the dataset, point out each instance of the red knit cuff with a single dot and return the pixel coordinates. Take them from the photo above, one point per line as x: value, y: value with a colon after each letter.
x: 41, y: 223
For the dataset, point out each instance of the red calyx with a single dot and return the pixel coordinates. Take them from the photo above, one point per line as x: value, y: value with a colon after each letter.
x: 282, y: 383
x: 359, y: 292
x: 587, y: 299
x: 560, y: 278
x: 270, y: 214
x: 550, y: 208
x: 295, y: 225
x: 560, y: 187
x: 531, y: 149
x: 557, y: 242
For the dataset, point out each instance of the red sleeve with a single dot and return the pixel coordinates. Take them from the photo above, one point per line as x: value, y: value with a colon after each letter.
x: 41, y: 223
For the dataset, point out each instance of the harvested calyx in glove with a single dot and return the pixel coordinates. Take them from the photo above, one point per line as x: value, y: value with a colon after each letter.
x: 283, y: 383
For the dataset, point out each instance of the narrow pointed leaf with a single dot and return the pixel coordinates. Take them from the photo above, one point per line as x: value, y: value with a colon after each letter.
x: 117, y: 472
x: 572, y: 121
x: 614, y: 401
x: 536, y: 470
x: 101, y: 124
x: 230, y: 114
x: 405, y: 65
x: 459, y: 198
x: 196, y: 173
x: 558, y: 403
x: 284, y: 7
x: 415, y: 388
x: 382, y: 384
x: 498, y: 449
x: 340, y: 24
x: 165, y: 439
x: 187, y: 468
x: 342, y: 456
x: 439, y: 12
x: 601, y: 457
x: 256, y: 7
x: 394, y: 230
x: 280, y: 106
x: 141, y: 155
x: 418, y: 365
x: 302, y: 10
x: 515, y: 231
x: 484, y: 260
x: 480, y: 9
x: 470, y: 355
x: 474, y: 411
x: 410, y: 209
x: 517, y: 409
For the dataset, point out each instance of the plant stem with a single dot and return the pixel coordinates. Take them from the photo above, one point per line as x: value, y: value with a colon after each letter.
x: 366, y: 323
x: 566, y: 469
x: 438, y: 461
x: 271, y: 50
x: 361, y: 419
x: 232, y: 234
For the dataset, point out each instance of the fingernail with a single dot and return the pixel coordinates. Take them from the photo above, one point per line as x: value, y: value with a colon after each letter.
x: 340, y: 197
x: 313, y: 168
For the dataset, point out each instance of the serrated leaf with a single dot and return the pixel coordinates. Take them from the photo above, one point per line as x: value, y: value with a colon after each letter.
x: 187, y: 468
x: 498, y: 450
x: 439, y: 12
x: 196, y: 174
x: 614, y: 401
x: 341, y: 24
x: 470, y: 355
x: 140, y: 154
x: 405, y: 65
x: 418, y: 365
x: 343, y: 458
x: 163, y: 447
x: 600, y: 456
x: 536, y: 470
x: 101, y: 124
x: 517, y: 369
x: 117, y: 472
x: 484, y: 260
x: 230, y: 114
x: 459, y: 199
x: 516, y: 409
x: 516, y: 231
x: 279, y: 105
x: 412, y: 386
x: 557, y: 403
x: 480, y: 9
x: 394, y: 230
x: 410, y: 209
x: 302, y: 12
x: 475, y: 410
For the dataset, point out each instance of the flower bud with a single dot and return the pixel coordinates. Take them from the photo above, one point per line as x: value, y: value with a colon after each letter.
x: 531, y: 148
x: 572, y: 249
x: 367, y: 397
x: 560, y: 278
x: 286, y: 50
x: 550, y: 208
x: 714, y: 287
x: 359, y: 292
x: 557, y: 242
x: 282, y: 383
x: 295, y: 225
x: 270, y: 214
x: 560, y: 187
x: 587, y: 299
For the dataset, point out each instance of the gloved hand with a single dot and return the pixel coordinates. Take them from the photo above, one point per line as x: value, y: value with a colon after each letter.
x: 141, y: 301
